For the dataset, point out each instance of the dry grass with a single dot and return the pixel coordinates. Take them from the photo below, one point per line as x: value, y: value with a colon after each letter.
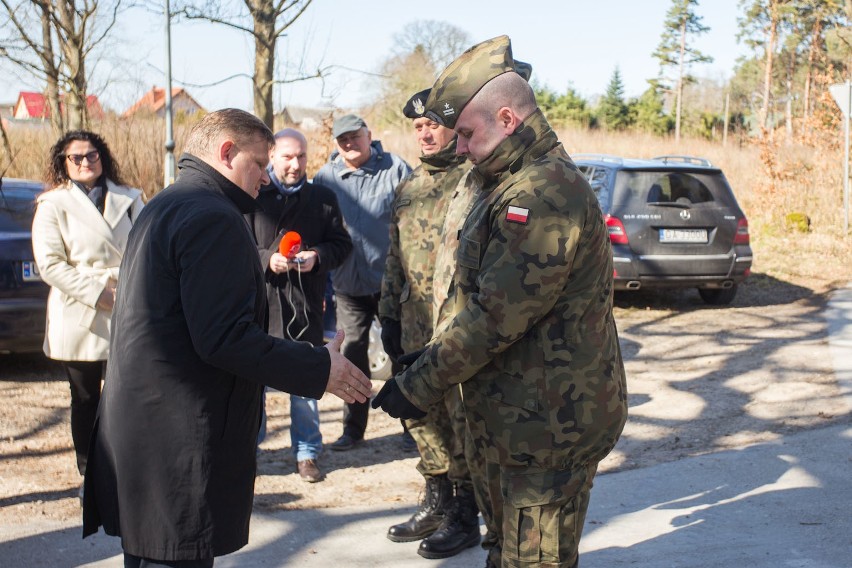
x: 770, y: 180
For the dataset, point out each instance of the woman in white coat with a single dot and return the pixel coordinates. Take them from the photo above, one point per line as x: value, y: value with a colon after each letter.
x: 79, y: 234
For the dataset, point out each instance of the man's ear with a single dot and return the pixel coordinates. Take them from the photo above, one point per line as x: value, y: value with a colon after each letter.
x: 225, y: 152
x: 507, y: 120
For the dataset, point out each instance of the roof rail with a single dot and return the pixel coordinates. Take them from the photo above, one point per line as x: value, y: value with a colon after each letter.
x: 693, y: 160
x: 601, y: 157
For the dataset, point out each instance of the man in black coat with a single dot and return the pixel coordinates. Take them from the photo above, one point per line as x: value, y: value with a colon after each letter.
x: 172, y: 460
x: 296, y: 283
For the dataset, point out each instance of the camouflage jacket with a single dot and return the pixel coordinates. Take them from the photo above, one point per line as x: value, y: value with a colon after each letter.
x: 415, y: 233
x: 533, y: 340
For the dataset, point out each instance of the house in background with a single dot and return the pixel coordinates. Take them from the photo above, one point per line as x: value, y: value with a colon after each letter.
x: 33, y: 106
x: 307, y: 118
x: 153, y: 103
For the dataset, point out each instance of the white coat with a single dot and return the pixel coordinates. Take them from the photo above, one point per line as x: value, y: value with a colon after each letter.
x: 77, y: 250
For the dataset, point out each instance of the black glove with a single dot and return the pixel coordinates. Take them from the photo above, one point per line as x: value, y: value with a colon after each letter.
x: 392, y: 337
x: 392, y: 401
x: 409, y: 358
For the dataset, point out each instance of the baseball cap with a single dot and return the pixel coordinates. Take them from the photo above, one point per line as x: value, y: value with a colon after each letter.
x: 347, y: 123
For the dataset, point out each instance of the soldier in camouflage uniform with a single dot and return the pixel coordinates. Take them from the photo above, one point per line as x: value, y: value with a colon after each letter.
x: 532, y: 341
x: 405, y: 310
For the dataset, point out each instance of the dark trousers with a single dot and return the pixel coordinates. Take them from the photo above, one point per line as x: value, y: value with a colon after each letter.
x: 355, y: 315
x: 131, y: 561
x: 84, y: 378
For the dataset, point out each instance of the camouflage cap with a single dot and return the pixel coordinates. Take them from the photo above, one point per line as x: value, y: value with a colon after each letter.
x: 415, y: 107
x: 523, y: 69
x: 465, y: 76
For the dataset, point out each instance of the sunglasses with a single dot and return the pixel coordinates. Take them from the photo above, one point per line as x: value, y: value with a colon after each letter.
x: 77, y: 159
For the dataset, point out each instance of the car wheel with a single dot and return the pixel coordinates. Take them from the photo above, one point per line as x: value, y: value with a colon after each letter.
x: 718, y: 296
x: 380, y: 362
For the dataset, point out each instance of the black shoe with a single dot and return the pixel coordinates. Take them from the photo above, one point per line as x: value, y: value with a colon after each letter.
x: 344, y: 443
x: 427, y: 519
x: 458, y: 531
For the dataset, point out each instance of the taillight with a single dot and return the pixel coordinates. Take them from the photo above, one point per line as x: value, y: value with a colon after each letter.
x: 742, y: 238
x: 617, y: 234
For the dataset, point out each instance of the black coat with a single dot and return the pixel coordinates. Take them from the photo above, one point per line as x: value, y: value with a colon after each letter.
x: 312, y: 212
x: 172, y: 462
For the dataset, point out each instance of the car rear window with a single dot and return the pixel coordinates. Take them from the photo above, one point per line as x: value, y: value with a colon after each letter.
x: 662, y: 187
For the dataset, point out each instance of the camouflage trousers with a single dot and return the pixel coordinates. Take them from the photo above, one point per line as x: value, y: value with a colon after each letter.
x: 540, y: 515
x: 440, y: 439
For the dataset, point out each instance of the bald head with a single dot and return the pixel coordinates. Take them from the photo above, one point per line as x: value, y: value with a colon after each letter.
x: 507, y: 90
x: 493, y: 114
x: 291, y: 133
x: 289, y: 157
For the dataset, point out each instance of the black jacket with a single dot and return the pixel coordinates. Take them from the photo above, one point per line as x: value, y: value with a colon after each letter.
x: 312, y: 212
x: 172, y: 462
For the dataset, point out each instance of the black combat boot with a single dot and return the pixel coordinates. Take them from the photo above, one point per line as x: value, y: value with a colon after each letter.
x: 459, y: 529
x: 439, y: 496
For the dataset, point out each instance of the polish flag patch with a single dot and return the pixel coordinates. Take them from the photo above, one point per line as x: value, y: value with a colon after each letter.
x: 518, y: 215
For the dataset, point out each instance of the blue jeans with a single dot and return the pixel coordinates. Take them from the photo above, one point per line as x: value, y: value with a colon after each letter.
x: 305, y: 436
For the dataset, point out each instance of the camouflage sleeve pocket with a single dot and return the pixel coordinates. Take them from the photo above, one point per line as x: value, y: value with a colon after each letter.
x: 468, y: 253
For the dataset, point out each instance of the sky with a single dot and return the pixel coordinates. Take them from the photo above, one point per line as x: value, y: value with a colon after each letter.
x: 574, y: 43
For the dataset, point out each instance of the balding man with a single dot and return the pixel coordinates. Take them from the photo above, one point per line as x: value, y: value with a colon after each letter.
x: 295, y: 283
x: 172, y: 461
x: 532, y: 338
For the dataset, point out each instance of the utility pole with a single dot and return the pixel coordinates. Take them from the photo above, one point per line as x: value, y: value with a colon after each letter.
x: 169, y: 162
x: 842, y: 94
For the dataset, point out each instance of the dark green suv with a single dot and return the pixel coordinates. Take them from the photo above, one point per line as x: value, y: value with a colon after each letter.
x: 673, y: 222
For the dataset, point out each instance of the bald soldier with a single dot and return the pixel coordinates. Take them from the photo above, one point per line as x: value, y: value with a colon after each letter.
x: 532, y: 338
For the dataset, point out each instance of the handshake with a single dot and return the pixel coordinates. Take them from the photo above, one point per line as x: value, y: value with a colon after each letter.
x: 390, y: 397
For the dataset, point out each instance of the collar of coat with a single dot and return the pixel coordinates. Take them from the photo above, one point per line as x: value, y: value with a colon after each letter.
x: 533, y: 138
x: 197, y: 171
x: 443, y: 159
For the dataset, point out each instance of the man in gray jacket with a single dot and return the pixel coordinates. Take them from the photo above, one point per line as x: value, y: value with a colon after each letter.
x: 364, y: 178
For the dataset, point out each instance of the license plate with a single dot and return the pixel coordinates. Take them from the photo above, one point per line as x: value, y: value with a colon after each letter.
x: 683, y: 235
x: 29, y: 271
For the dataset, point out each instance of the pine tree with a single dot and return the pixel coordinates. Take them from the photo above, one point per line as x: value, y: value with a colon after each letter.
x: 674, y: 50
x: 612, y: 110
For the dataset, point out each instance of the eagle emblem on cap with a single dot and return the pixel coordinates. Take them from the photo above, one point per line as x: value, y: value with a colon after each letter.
x: 418, y: 106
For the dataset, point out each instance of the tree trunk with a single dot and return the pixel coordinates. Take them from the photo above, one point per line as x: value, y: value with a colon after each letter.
x: 264, y: 59
x: 50, y: 71
x: 71, y: 42
x: 806, y: 108
x: 788, y: 107
x: 680, y: 80
x: 770, y: 52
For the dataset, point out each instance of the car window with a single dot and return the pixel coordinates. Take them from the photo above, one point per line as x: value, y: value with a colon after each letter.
x: 597, y: 178
x: 685, y: 188
x: 18, y: 204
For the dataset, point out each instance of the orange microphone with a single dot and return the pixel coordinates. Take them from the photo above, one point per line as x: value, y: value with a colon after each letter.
x: 290, y: 244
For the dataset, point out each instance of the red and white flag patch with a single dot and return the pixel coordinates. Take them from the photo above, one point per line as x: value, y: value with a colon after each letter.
x: 518, y: 214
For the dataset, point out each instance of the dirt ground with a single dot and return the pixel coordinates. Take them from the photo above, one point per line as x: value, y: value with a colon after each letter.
x: 701, y: 379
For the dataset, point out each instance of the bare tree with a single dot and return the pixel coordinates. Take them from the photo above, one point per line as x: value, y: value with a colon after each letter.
x: 76, y: 27
x: 422, y: 50
x: 267, y: 21
x: 440, y: 42
x: 29, y: 45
